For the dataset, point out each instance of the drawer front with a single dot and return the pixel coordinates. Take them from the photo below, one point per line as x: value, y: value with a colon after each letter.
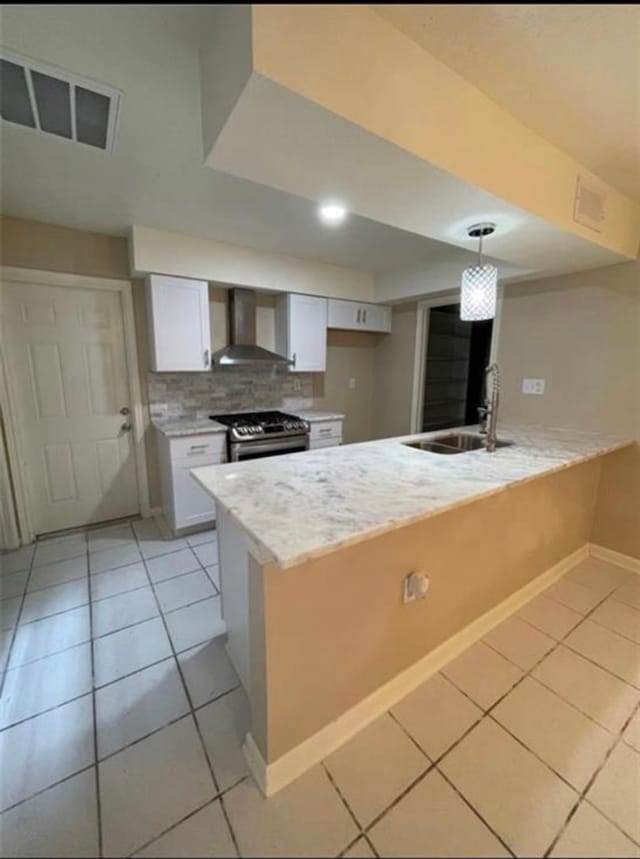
x: 325, y: 430
x: 200, y: 447
x: 317, y: 444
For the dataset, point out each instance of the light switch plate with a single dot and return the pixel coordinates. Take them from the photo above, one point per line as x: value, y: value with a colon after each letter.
x: 533, y: 386
x: 352, y: 383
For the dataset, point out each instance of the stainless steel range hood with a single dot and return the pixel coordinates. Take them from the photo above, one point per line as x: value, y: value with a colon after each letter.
x: 242, y: 333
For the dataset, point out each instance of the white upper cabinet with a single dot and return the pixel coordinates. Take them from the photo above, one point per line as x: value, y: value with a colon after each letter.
x: 179, y: 333
x: 301, y: 331
x: 358, y: 316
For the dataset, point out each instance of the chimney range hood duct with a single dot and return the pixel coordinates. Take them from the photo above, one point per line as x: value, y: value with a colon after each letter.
x: 242, y: 333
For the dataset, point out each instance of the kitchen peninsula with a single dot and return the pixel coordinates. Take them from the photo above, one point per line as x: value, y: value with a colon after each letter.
x: 312, y: 582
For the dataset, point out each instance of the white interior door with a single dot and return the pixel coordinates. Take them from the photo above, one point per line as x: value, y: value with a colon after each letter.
x: 68, y: 373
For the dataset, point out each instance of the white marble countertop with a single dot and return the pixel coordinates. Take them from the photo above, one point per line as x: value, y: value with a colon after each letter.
x: 303, y: 505
x: 185, y: 425
x: 313, y: 416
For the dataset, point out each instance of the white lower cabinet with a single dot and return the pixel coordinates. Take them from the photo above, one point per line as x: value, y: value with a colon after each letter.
x: 325, y: 434
x: 184, y: 501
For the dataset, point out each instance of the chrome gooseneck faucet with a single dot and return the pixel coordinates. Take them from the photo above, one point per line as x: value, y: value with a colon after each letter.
x: 489, y: 412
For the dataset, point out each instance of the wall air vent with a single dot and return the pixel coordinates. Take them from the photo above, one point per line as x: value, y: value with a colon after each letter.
x: 53, y: 101
x: 588, y: 207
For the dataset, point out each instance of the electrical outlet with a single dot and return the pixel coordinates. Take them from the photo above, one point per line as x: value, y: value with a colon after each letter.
x: 533, y: 386
x: 352, y: 383
x: 415, y: 586
x: 297, y: 387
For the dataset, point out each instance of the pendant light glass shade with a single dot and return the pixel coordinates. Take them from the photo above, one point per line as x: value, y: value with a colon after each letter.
x: 479, y: 282
x: 478, y: 294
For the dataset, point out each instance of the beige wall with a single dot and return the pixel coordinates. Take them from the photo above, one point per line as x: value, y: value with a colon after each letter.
x: 393, y: 374
x: 352, y: 632
x: 581, y: 333
x: 617, y: 518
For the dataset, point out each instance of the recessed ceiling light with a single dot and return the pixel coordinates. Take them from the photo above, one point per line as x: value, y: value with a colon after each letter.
x: 332, y: 213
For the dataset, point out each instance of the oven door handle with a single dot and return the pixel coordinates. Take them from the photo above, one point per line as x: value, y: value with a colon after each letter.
x: 283, y: 445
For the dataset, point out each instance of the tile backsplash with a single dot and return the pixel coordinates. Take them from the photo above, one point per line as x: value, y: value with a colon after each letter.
x: 228, y: 389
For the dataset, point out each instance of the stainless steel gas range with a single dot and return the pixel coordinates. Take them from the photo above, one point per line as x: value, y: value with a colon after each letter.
x: 252, y: 435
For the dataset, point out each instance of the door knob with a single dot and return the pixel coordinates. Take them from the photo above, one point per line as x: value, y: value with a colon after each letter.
x: 125, y: 427
x: 124, y: 410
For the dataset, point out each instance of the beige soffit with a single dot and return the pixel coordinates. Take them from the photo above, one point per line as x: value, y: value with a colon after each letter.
x: 420, y: 149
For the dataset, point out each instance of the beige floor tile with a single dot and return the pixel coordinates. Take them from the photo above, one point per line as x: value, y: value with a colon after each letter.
x: 591, y: 689
x: 224, y: 724
x: 136, y: 705
x: 17, y: 560
x: 482, y: 674
x: 517, y: 795
x: 374, y: 767
x: 616, y: 790
x: 62, y: 821
x: 436, y: 714
x: 573, y: 595
x: 550, y: 616
x: 152, y: 784
x: 619, y: 617
x: 112, y: 537
x: 214, y: 574
x: 46, y: 683
x: 13, y: 585
x: 592, y: 836
x: 195, y: 624
x: 9, y: 609
x: 5, y: 642
x: 306, y: 818
x: 54, y: 600
x: 613, y: 652
x: 122, y: 580
x: 172, y: 565
x: 111, y: 559
x: 201, y: 537
x: 360, y: 850
x: 59, y: 550
x: 519, y: 642
x: 572, y: 744
x: 599, y: 575
x: 114, y: 613
x: 129, y: 650
x: 51, y: 635
x: 57, y: 573
x: 185, y: 590
x: 207, y: 553
x: 43, y: 750
x: 629, y: 593
x: 632, y: 732
x: 432, y: 820
x: 155, y: 548
x: 207, y: 671
x: 146, y: 529
x: 204, y: 834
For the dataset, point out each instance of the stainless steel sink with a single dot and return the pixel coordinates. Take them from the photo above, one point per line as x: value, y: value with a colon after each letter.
x: 454, y: 443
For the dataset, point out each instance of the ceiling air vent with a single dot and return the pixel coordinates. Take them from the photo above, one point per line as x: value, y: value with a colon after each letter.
x: 589, y: 205
x: 55, y: 102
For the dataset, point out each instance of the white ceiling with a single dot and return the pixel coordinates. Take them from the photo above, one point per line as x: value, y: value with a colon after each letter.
x: 570, y: 72
x: 156, y: 175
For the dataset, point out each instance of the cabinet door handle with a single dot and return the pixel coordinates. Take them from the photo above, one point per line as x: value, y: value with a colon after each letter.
x: 206, y: 357
x: 364, y: 315
x: 294, y: 359
x: 358, y: 317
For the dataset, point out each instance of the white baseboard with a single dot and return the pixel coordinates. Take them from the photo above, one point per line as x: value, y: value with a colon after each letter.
x: 272, y: 777
x: 613, y: 557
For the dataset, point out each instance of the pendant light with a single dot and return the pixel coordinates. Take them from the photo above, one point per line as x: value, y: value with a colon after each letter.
x: 479, y: 282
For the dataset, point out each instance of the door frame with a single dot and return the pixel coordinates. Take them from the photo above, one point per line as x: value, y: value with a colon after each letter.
x: 422, y: 342
x: 9, y: 396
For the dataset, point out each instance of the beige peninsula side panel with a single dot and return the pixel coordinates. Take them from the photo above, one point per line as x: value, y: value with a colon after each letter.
x: 335, y: 628
x: 617, y: 518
